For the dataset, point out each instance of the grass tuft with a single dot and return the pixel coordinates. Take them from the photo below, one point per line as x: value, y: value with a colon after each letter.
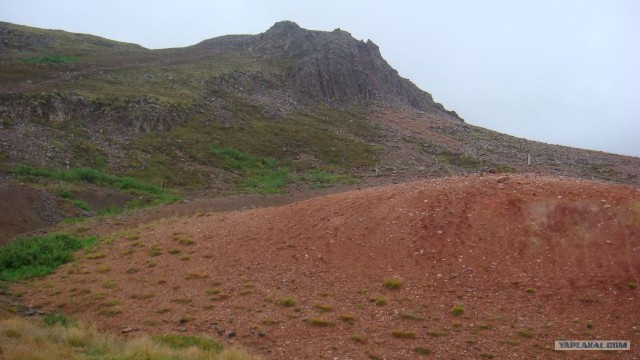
x: 411, y: 316
x: 358, y: 338
x: 403, y: 334
x: 322, y: 307
x: 319, y: 322
x: 392, y: 284
x: 349, y: 319
x: 379, y: 300
x: 422, y: 351
x: 56, y: 318
x: 524, y: 333
x: 458, y: 310
x: 287, y: 301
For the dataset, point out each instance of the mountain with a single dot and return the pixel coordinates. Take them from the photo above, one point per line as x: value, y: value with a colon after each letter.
x: 388, y: 264
x: 282, y: 111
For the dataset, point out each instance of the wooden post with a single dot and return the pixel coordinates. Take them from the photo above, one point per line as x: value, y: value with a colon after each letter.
x: 529, y: 159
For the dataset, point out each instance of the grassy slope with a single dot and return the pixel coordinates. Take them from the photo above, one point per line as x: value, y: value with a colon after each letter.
x: 335, y: 140
x: 325, y: 136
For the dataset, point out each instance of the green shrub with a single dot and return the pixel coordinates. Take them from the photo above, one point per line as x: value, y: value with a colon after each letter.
x: 38, y: 256
x: 56, y: 318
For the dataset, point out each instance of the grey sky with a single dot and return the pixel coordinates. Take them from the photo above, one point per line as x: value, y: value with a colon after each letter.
x: 564, y: 72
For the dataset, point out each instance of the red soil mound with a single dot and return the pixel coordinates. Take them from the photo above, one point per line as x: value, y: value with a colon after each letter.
x: 525, y: 259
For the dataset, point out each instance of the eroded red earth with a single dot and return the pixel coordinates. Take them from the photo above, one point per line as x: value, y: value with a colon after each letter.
x: 526, y: 259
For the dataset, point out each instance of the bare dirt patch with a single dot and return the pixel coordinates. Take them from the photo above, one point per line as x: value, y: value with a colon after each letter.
x: 23, y: 209
x: 466, y: 267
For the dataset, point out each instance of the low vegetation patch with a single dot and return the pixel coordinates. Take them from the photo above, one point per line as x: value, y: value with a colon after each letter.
x: 183, y: 342
x: 51, y: 59
x: 461, y: 160
x: 349, y: 319
x: 435, y: 333
x: 319, y: 322
x: 55, y: 318
x: 26, y: 339
x: 79, y: 203
x: 422, y: 351
x: 524, y: 333
x: 38, y: 256
x: 379, y: 300
x: 155, y: 250
x: 157, y: 194
x: 287, y: 301
x: 322, y: 307
x: 358, y: 338
x: 508, y: 342
x: 261, y: 174
x: 411, y: 316
x: 457, y: 310
x: 403, y: 334
x: 321, y: 179
x: 392, y: 284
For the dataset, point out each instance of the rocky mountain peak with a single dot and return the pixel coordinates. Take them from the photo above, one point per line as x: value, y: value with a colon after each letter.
x: 336, y: 68
x: 285, y: 25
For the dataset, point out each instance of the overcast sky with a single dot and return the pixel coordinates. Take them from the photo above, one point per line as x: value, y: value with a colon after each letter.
x: 560, y: 71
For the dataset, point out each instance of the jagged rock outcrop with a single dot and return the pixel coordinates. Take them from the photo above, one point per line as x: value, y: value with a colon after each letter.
x: 331, y: 67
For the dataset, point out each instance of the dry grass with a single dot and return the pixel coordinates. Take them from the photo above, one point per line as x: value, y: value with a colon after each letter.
x: 24, y: 339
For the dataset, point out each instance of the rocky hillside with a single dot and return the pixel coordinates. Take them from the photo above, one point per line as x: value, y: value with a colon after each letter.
x: 84, y: 97
x: 283, y: 111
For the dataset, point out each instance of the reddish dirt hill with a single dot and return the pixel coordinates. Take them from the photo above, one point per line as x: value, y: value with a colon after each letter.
x: 524, y: 260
